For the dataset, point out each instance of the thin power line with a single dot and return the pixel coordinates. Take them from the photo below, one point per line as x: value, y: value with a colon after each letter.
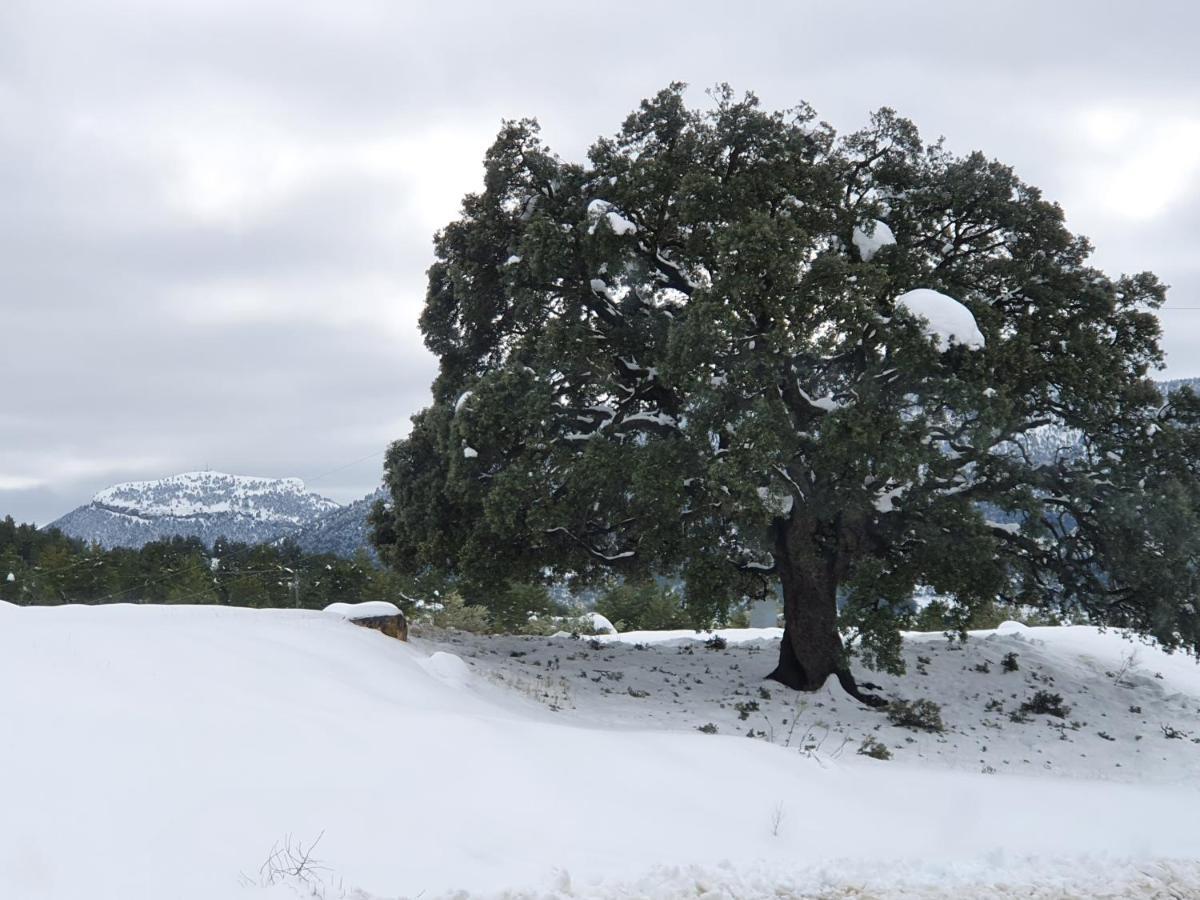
x: 318, y: 477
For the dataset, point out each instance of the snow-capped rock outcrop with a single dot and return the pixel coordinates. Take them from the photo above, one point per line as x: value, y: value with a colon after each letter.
x: 206, y: 505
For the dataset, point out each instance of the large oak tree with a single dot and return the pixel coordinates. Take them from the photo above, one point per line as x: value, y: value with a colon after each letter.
x: 735, y: 348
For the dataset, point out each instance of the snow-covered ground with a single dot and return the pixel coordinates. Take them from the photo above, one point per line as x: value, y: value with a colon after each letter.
x: 1122, y: 697
x: 165, y: 752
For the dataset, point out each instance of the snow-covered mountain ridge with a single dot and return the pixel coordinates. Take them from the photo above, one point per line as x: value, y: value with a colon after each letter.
x: 193, y: 494
x: 207, y: 505
x: 343, y: 531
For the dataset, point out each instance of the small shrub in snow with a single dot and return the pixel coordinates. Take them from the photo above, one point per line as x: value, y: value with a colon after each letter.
x: 919, y: 715
x: 1105, y: 736
x: 745, y: 708
x: 874, y: 748
x: 1009, y: 662
x: 1172, y: 733
x: 643, y: 605
x: 716, y: 642
x: 776, y: 818
x: 634, y: 692
x: 707, y: 728
x: 1044, y: 703
x: 764, y: 693
x: 983, y: 667
x: 457, y: 613
x: 291, y: 863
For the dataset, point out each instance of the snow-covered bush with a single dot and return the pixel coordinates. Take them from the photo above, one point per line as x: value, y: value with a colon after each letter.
x: 1044, y: 703
x: 455, y: 612
x: 919, y: 715
x: 643, y: 606
x: 874, y: 748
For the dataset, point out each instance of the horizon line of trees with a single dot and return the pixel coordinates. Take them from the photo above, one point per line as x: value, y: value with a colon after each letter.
x: 49, y: 568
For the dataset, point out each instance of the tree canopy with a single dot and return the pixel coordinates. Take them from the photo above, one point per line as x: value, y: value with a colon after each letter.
x: 736, y: 348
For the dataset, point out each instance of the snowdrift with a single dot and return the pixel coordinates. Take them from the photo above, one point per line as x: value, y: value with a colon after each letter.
x: 160, y: 752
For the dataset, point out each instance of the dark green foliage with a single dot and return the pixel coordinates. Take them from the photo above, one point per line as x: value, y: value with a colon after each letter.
x: 919, y: 715
x: 49, y: 568
x: 674, y: 360
x: 643, y: 605
x: 874, y: 748
x: 745, y: 707
x: 1045, y: 703
x: 957, y: 619
x: 1009, y: 663
x: 510, y: 609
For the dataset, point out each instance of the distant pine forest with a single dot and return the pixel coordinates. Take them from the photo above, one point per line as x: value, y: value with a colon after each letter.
x: 43, y: 568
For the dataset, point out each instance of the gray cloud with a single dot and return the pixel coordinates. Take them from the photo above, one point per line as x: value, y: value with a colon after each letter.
x: 217, y: 215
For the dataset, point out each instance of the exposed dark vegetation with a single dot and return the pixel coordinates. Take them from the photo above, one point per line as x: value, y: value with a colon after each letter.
x: 41, y: 568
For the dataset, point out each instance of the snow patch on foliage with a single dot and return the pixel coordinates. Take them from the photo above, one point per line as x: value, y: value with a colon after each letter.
x: 946, y: 320
x: 776, y: 502
x: 871, y: 242
x: 885, y: 502
x: 602, y: 209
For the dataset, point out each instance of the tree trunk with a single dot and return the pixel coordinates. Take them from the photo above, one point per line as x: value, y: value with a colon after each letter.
x: 812, y: 648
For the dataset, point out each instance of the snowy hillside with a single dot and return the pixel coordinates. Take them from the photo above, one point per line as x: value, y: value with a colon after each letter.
x: 191, y: 752
x: 342, y: 531
x: 206, y: 505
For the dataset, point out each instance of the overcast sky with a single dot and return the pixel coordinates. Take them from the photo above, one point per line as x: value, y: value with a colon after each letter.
x: 215, y: 215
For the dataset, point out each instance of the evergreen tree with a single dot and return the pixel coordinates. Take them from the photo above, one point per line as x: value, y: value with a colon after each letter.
x: 11, y: 564
x: 193, y: 581
x: 734, y: 347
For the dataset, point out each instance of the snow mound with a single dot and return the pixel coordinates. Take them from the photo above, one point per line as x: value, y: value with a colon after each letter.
x: 1011, y: 627
x: 372, y: 609
x: 870, y: 243
x: 448, y: 667
x: 600, y: 624
x: 947, y: 321
x: 211, y: 733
